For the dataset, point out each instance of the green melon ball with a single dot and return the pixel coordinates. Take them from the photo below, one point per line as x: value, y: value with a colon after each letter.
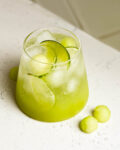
x: 69, y: 42
x: 102, y: 113
x: 13, y: 73
x: 88, y: 124
x: 38, y: 68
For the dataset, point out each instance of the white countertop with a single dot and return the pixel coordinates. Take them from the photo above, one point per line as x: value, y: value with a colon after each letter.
x: 19, y: 132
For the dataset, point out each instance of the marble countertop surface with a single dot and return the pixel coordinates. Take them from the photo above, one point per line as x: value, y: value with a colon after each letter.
x: 19, y: 132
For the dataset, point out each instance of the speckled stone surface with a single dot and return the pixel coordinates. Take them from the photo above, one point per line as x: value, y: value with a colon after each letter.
x: 19, y: 132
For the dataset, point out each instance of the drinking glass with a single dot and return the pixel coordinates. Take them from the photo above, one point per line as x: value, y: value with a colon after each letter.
x: 52, y: 82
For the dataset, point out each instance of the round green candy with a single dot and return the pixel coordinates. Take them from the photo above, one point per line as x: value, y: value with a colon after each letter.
x: 102, y: 113
x: 68, y: 42
x: 13, y: 73
x: 88, y: 124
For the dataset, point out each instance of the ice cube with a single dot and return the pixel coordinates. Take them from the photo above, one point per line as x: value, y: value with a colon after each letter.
x: 45, y: 35
x: 56, y: 78
x: 72, y: 51
x: 35, y: 49
x: 72, y: 85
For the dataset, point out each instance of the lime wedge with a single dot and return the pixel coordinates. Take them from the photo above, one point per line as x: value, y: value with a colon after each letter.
x: 42, y: 93
x: 60, y: 51
x: 50, y: 54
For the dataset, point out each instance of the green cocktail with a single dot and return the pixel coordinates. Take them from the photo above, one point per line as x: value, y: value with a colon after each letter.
x: 52, y: 83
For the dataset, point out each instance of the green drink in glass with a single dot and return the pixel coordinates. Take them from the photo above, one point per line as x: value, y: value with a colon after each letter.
x: 52, y: 82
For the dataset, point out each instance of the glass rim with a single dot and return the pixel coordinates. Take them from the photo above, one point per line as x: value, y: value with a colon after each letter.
x: 48, y: 28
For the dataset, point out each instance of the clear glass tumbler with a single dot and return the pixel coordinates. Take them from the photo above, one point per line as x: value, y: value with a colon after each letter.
x: 52, y: 82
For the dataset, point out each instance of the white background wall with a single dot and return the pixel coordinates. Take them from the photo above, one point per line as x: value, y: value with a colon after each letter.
x: 100, y: 18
